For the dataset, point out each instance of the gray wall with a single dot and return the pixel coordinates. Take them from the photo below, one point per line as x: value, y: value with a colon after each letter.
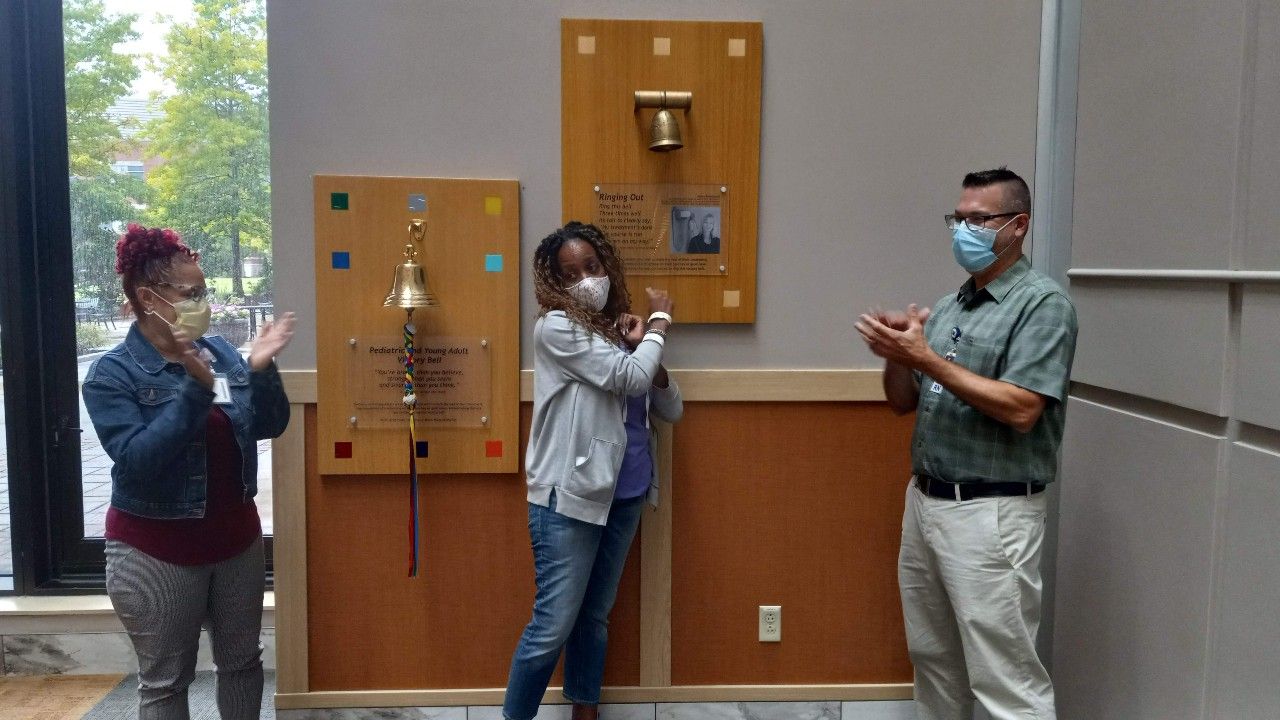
x: 1168, y: 572
x: 872, y: 112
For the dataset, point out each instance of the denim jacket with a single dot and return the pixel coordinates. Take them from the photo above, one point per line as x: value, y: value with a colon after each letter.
x: 150, y: 417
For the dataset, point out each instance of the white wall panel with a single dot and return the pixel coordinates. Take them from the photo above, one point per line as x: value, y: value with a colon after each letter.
x: 1263, y: 249
x: 1157, y: 125
x: 1135, y: 547
x: 1162, y: 340
x: 1258, y: 380
x: 1247, y: 678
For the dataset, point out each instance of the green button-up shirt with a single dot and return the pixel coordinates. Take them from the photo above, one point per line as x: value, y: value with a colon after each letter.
x: 1019, y: 329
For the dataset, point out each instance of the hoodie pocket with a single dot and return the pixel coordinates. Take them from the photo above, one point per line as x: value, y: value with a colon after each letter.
x: 594, y: 475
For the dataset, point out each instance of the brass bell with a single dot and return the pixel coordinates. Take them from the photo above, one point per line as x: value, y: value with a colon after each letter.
x: 664, y: 132
x: 410, y: 288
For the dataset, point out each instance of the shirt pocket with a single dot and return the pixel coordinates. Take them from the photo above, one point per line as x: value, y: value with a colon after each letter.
x: 154, y: 395
x: 980, y: 356
x: 237, y: 377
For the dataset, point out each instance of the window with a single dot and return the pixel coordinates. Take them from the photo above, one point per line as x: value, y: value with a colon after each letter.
x: 132, y: 168
x: 162, y: 120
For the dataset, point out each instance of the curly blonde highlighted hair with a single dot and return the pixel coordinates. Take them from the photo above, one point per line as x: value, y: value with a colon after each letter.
x: 549, y: 286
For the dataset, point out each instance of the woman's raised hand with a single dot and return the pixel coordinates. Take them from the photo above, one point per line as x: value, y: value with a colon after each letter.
x: 659, y: 301
x: 273, y: 338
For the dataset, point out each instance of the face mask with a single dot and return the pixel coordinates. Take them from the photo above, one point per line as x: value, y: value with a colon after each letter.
x: 192, y: 316
x: 592, y: 292
x: 972, y: 246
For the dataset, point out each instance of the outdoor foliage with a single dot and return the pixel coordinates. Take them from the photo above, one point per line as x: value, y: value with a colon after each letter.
x: 208, y: 160
x: 89, y: 336
x: 96, y: 77
x: 214, y: 185
x: 98, y: 204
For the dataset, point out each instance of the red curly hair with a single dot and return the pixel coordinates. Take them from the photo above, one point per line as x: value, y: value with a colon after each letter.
x: 144, y: 256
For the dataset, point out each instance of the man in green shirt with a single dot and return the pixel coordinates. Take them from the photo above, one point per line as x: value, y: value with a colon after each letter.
x: 987, y: 375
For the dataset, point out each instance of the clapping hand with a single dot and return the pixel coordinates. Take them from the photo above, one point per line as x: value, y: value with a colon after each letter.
x: 896, y: 336
x: 274, y: 337
x: 193, y: 359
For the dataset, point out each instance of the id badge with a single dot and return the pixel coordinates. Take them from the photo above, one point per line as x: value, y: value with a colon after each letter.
x: 935, y: 387
x: 221, y: 390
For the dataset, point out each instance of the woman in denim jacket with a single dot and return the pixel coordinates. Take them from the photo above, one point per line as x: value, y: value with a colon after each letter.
x: 597, y: 377
x: 180, y: 415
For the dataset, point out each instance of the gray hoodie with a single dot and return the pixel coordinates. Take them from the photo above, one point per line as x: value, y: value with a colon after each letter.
x: 577, y: 438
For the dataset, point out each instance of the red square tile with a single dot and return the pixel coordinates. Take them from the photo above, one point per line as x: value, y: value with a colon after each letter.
x: 342, y: 449
x: 493, y: 448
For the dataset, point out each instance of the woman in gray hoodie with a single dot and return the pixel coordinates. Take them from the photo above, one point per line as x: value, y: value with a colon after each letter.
x: 597, y: 378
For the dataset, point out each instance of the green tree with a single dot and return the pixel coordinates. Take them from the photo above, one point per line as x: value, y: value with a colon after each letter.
x: 96, y: 77
x: 100, y: 207
x: 214, y: 185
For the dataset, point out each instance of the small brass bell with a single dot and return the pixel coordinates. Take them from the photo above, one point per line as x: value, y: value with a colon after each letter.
x: 410, y: 288
x: 664, y: 132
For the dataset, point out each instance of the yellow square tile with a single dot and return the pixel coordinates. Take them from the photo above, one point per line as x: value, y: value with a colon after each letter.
x: 492, y: 205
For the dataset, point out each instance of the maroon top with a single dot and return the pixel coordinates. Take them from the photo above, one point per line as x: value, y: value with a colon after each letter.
x: 229, y: 526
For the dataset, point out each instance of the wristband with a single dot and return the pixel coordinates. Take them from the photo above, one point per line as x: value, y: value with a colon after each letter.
x: 651, y: 335
x: 659, y: 315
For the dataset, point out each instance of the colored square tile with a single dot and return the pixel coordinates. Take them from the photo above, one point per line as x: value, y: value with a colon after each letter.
x: 493, y: 448
x: 661, y: 46
x: 493, y: 263
x: 732, y: 298
x: 339, y: 201
x: 421, y: 449
x: 417, y: 202
x: 737, y: 47
x: 341, y: 260
x: 492, y: 205
x: 586, y: 44
x: 342, y: 450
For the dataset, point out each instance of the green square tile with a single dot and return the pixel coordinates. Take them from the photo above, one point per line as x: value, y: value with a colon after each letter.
x: 338, y: 201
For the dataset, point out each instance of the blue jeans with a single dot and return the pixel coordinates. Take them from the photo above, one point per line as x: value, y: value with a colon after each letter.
x: 577, y: 566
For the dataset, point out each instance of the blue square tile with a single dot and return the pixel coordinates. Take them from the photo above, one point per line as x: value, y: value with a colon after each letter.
x: 493, y: 263
x: 341, y: 260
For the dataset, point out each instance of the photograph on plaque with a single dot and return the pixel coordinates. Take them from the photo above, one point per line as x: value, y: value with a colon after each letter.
x: 452, y: 382
x: 695, y: 229
x: 665, y: 229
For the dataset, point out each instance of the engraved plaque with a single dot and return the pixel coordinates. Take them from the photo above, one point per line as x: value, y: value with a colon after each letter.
x: 452, y: 381
x: 665, y: 229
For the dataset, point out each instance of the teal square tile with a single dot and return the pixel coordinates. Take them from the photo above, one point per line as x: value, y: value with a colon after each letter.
x: 338, y: 201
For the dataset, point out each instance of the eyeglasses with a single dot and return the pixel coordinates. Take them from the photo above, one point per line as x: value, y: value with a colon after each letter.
x: 190, y: 292
x: 973, y: 222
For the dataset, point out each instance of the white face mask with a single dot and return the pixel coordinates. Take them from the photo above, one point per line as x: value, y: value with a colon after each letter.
x: 592, y: 292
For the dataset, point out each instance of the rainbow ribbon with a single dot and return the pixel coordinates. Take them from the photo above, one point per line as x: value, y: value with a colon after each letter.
x: 411, y: 402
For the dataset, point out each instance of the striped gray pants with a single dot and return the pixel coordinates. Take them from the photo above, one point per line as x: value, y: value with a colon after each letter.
x: 163, y: 606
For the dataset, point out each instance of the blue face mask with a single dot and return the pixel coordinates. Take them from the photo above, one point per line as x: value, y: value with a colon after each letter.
x: 972, y: 246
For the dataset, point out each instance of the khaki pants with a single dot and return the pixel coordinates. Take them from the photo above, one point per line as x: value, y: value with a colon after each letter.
x: 969, y: 573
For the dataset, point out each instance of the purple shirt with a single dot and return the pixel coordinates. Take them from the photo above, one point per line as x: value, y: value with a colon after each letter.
x: 637, y: 463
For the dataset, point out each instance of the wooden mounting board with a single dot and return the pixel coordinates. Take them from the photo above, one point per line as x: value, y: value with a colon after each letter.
x: 605, y: 139
x: 472, y: 258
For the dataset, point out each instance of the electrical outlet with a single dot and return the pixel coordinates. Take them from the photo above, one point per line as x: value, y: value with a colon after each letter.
x: 770, y: 623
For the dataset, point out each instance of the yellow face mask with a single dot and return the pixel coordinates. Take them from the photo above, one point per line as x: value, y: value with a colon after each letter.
x: 192, y: 316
